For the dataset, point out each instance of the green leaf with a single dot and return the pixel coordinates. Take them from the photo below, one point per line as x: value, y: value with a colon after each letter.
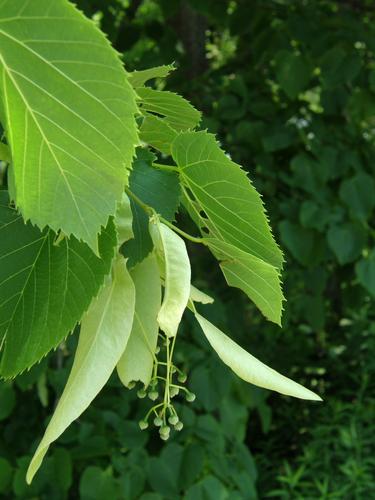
x: 157, y: 189
x: 225, y: 203
x: 157, y: 133
x: 139, y: 78
x: 4, y: 153
x: 44, y: 288
x: 293, y: 72
x: 6, y: 472
x: 177, y: 111
x: 98, y: 483
x: 248, y: 367
x: 68, y: 111
x: 175, y: 268
x: 105, y: 331
x: 137, y: 361
x: 365, y: 271
x: 7, y: 399
x: 258, y: 279
x: 347, y: 241
x: 358, y: 193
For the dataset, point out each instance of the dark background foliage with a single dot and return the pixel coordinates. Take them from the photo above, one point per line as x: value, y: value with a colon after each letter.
x: 289, y: 87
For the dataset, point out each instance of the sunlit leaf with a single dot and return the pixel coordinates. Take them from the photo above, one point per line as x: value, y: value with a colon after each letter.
x: 105, y: 331
x: 68, y: 111
x: 197, y: 295
x: 157, y: 133
x: 124, y: 221
x: 258, y: 279
x: 4, y: 152
x: 177, y: 111
x: 223, y: 200
x: 139, y: 78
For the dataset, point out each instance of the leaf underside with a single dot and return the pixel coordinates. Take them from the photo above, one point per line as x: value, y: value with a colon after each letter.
x: 44, y: 288
x: 68, y: 112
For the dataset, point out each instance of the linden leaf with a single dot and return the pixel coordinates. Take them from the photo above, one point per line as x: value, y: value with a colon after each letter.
x: 68, y: 112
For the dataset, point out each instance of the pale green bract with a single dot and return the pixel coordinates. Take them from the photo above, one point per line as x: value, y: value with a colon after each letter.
x: 258, y: 279
x: 68, y: 111
x: 197, y: 295
x: 250, y: 368
x: 139, y: 78
x: 124, y: 221
x: 105, y: 331
x: 137, y: 361
x: 177, y: 111
x: 175, y: 269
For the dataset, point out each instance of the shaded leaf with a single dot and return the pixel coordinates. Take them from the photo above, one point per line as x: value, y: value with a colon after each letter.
x: 347, y: 241
x: 358, y: 193
x: 157, y: 189
x: 365, y: 271
x: 44, y: 288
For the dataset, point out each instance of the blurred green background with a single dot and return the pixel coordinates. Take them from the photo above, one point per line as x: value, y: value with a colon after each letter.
x: 289, y: 87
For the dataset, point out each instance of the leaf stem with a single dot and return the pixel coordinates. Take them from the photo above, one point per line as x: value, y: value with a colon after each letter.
x: 146, y: 208
x: 194, y: 239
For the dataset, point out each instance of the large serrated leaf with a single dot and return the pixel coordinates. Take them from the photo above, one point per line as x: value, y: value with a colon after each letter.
x: 250, y: 368
x: 137, y: 361
x: 68, y: 111
x: 177, y: 111
x: 44, y: 288
x: 222, y: 197
x: 175, y: 269
x: 157, y: 189
x: 258, y: 279
x: 105, y: 331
